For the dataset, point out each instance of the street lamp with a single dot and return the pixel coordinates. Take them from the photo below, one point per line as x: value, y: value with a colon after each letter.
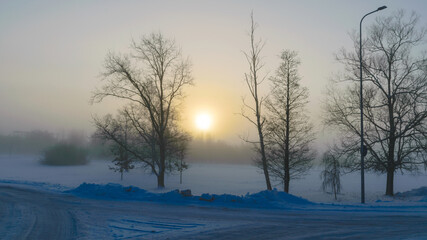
x: 363, y: 150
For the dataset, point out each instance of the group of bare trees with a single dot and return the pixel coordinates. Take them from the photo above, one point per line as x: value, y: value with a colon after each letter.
x: 153, y: 76
x: 284, y: 132
x: 395, y: 107
x: 151, y: 79
x: 394, y: 99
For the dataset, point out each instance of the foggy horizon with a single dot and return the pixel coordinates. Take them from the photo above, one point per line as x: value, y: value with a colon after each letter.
x: 241, y: 119
x: 52, y: 55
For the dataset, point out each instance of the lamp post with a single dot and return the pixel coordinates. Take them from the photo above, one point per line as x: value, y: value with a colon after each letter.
x: 363, y: 150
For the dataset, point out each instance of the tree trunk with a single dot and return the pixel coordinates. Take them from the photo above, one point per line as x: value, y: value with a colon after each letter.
x: 264, y: 159
x: 335, y: 180
x: 392, y: 136
x: 254, y: 63
x: 390, y: 182
x: 261, y: 139
x: 161, y: 180
x: 287, y: 173
x: 390, y: 166
x: 180, y: 172
x: 161, y: 176
x: 287, y: 180
x: 334, y: 187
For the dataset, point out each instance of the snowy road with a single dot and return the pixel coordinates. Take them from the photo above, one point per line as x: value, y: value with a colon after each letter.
x: 28, y: 214
x: 33, y: 214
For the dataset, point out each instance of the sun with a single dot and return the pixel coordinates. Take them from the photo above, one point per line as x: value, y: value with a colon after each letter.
x: 203, y: 121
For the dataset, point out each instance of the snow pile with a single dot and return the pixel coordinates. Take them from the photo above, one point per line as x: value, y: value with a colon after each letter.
x: 263, y: 199
x: 417, y: 194
x: 119, y: 192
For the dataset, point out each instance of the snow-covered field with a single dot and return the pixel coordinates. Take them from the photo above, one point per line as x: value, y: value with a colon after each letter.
x: 200, y: 178
x: 45, y: 202
x: 29, y: 214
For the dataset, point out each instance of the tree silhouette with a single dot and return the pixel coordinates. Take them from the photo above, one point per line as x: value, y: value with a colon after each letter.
x: 395, y: 99
x: 289, y: 133
x: 331, y: 173
x: 152, y: 80
x: 253, y: 112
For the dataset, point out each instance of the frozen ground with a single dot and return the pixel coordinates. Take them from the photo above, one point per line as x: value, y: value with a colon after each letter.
x: 36, y: 214
x: 200, y: 178
x: 42, y: 202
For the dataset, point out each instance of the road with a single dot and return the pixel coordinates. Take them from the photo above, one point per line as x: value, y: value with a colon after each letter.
x: 28, y: 214
x: 33, y: 214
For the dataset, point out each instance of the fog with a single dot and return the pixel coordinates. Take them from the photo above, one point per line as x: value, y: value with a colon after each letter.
x: 200, y: 150
x: 52, y: 55
x: 160, y: 165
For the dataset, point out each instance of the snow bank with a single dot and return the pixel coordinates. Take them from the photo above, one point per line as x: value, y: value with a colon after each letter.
x: 263, y: 199
x: 417, y: 194
x: 200, y: 178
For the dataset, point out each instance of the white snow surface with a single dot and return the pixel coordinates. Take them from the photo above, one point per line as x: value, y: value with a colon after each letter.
x: 263, y: 199
x: 228, y: 202
x: 200, y: 178
x: 29, y: 214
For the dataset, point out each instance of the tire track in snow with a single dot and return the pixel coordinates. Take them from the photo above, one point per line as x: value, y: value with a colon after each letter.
x: 28, y: 214
x: 127, y: 228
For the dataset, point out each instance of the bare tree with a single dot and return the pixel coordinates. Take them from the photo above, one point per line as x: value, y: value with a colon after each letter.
x: 289, y: 131
x: 123, y: 161
x: 133, y: 141
x: 331, y: 174
x: 395, y: 99
x: 126, y: 143
x: 152, y: 78
x: 252, y: 112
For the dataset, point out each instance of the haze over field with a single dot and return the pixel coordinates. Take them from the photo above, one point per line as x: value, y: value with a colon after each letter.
x: 52, y: 54
x: 228, y: 119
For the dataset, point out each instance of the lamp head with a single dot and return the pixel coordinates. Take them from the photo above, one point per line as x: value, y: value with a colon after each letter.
x: 381, y: 8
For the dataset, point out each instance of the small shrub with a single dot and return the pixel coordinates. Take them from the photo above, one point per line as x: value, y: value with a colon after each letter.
x: 64, y: 154
x: 331, y: 173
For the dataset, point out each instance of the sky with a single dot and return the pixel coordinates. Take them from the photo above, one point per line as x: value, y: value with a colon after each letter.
x: 51, y: 53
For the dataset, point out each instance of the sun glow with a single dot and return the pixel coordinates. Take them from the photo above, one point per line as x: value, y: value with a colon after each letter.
x: 203, y: 121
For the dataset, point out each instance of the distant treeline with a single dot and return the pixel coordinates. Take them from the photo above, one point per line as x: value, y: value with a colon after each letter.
x: 37, y: 142
x: 26, y: 142
x: 211, y: 151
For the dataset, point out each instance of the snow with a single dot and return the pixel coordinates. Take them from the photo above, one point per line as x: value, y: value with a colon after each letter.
x: 200, y: 178
x: 417, y: 194
x: 112, y: 211
x: 228, y: 202
x: 263, y: 199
